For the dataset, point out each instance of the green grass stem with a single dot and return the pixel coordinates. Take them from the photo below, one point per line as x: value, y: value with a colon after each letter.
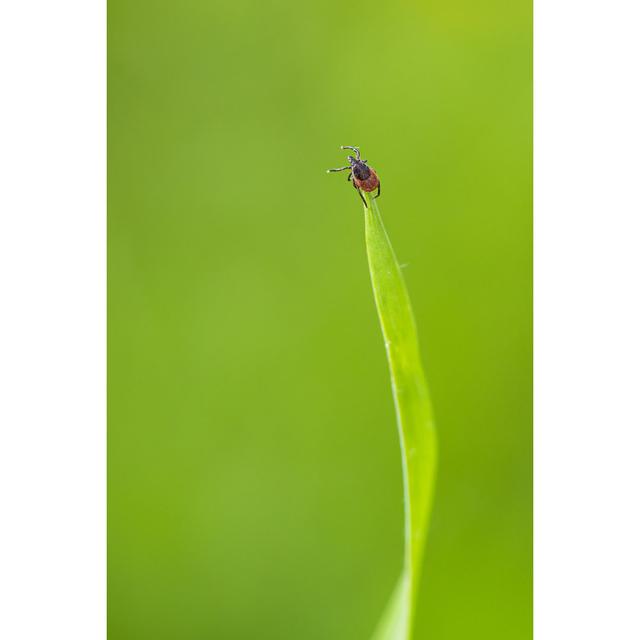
x: 414, y: 418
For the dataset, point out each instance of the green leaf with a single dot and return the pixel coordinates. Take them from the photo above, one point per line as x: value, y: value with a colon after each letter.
x: 414, y: 417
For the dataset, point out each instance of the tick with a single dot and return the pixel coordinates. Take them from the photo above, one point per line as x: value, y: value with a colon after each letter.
x: 361, y: 175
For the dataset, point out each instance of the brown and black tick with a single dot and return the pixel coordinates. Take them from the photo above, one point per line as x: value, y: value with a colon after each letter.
x: 361, y: 175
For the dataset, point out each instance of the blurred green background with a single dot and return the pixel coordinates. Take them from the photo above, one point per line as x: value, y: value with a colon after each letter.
x: 254, y: 468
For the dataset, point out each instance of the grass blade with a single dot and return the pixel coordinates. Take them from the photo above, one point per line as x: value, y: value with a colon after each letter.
x: 414, y: 417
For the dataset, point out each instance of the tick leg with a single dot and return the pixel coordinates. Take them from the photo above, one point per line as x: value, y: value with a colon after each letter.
x: 356, y: 149
x: 360, y: 194
x: 378, y: 194
x: 340, y: 169
x: 349, y: 177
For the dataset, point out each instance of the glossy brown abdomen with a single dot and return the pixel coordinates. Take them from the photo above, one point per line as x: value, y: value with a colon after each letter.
x: 370, y: 183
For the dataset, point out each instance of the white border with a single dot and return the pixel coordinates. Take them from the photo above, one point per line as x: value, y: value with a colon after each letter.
x: 52, y: 320
x: 587, y: 320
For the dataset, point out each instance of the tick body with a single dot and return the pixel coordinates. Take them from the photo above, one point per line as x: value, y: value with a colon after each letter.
x: 361, y: 175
